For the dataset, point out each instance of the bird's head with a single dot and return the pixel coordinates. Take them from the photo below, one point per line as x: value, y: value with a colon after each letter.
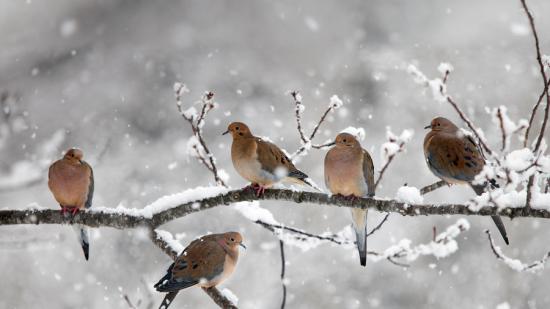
x: 346, y: 140
x: 238, y: 130
x: 73, y: 155
x: 442, y: 124
x: 233, y: 240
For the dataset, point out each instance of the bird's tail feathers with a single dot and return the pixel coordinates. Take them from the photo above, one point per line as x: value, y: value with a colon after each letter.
x: 360, y: 226
x: 83, y: 234
x: 479, y: 190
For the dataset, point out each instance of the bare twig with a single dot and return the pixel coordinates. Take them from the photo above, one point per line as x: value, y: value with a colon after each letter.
x: 530, y: 183
x: 282, y: 247
x: 128, y: 301
x: 432, y: 187
x: 306, y: 140
x: 514, y: 263
x: 533, y: 113
x: 542, y: 73
x: 376, y: 228
x: 502, y: 130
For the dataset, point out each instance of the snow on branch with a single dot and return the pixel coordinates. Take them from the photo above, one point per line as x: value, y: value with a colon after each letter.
x: 516, y: 264
x: 545, y: 80
x: 122, y: 218
x: 441, y: 246
x: 391, y: 148
x: 197, y: 145
x: 334, y: 104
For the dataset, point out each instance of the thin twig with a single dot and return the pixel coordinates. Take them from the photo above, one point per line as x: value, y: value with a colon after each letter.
x: 390, y: 159
x: 376, y: 228
x: 542, y: 72
x: 502, y: 130
x: 516, y: 264
x: 533, y: 112
x: 299, y: 107
x: 432, y: 187
x: 282, y: 247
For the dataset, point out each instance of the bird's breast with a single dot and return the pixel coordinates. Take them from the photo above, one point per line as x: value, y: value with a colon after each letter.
x: 344, y: 175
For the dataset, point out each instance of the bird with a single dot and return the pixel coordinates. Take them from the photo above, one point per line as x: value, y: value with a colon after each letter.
x: 206, y: 262
x: 456, y: 158
x: 261, y: 162
x: 71, y: 181
x: 349, y: 171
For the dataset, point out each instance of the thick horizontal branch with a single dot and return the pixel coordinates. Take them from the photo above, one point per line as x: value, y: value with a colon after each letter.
x: 121, y: 220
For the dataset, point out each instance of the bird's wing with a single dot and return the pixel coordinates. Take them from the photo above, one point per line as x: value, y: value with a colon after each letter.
x: 454, y: 157
x: 88, y: 203
x: 368, y: 172
x: 272, y: 157
x: 202, y: 259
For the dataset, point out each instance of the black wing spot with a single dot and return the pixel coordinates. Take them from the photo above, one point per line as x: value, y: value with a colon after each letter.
x: 195, y: 266
x: 468, y: 158
x: 449, y: 155
x: 455, y: 161
x: 283, y: 160
x: 469, y: 165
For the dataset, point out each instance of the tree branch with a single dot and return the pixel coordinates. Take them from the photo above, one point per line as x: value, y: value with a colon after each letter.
x: 122, y: 219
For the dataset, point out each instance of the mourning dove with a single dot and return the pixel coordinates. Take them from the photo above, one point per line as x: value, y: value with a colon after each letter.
x: 206, y: 262
x: 71, y: 181
x: 455, y: 158
x: 349, y: 171
x: 261, y: 162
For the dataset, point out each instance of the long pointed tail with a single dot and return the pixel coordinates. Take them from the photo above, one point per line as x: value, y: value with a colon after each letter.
x: 479, y: 189
x: 168, y: 300
x: 359, y: 217
x: 82, y: 233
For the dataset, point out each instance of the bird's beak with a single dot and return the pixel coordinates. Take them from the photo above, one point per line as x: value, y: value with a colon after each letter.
x: 224, y: 133
x: 428, y: 127
x: 242, y: 245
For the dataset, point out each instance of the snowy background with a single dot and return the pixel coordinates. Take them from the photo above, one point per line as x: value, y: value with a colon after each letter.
x: 99, y: 75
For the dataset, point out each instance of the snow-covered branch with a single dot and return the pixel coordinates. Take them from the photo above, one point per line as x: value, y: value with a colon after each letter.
x: 516, y: 264
x: 180, y: 205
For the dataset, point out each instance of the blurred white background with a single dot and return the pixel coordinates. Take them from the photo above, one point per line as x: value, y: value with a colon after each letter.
x: 99, y: 75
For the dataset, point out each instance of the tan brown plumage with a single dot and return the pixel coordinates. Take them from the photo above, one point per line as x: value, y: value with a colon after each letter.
x: 206, y: 262
x: 349, y: 171
x: 259, y: 161
x: 71, y: 181
x: 456, y: 158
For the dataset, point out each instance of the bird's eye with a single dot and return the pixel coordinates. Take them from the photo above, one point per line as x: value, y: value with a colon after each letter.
x: 237, y: 128
x: 345, y: 140
x: 232, y: 239
x: 438, y: 124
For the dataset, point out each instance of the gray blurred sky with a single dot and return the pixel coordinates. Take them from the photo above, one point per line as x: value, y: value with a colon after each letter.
x: 103, y: 71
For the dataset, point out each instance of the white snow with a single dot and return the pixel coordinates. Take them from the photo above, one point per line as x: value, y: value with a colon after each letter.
x: 394, y: 144
x: 359, y: 133
x: 173, y: 200
x: 169, y: 239
x: 230, y: 295
x: 410, y: 195
x: 445, y: 67
x: 335, y: 102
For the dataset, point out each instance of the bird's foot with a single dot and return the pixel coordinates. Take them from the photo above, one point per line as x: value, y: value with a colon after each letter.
x: 352, y: 198
x: 67, y: 209
x: 257, y: 188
